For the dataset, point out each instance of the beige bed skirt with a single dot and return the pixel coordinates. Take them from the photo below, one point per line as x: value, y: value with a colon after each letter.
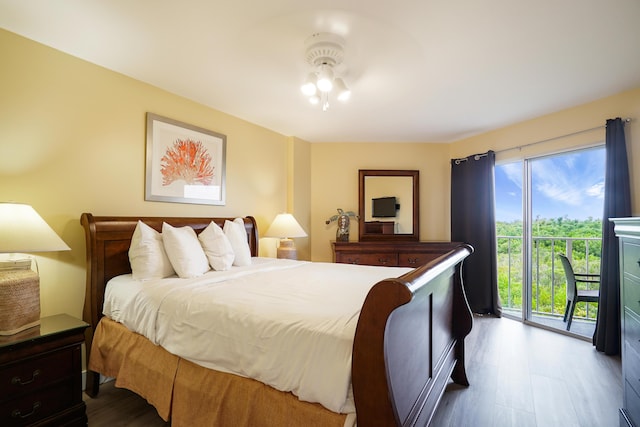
x: 191, y: 395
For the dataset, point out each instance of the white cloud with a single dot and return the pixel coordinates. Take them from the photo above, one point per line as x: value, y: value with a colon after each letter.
x: 560, y: 193
x: 514, y: 173
x: 596, y: 190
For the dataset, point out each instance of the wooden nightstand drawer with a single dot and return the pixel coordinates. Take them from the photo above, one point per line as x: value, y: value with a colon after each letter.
x: 37, y: 372
x: 41, y: 375
x: 32, y: 407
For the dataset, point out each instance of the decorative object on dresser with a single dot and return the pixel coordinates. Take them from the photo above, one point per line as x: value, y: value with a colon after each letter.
x: 343, y: 219
x: 41, y: 374
x: 389, y: 205
x: 628, y: 232
x: 390, y: 254
x: 286, y: 227
x: 22, y: 230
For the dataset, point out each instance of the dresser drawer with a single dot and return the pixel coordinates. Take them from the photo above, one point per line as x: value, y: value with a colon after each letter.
x: 631, y: 295
x: 31, y: 374
x: 408, y: 259
x: 27, y: 409
x: 382, y: 258
x: 631, y: 258
x: 632, y: 403
x: 631, y: 366
x: 631, y: 332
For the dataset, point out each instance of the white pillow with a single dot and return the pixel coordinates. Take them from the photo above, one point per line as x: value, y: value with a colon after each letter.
x: 147, y: 256
x: 237, y: 236
x: 184, y: 251
x: 216, y: 247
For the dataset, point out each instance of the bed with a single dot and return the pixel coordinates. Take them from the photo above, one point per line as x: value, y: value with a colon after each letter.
x: 407, y: 345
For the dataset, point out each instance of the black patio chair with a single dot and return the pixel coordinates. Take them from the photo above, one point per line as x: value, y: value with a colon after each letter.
x: 575, y: 295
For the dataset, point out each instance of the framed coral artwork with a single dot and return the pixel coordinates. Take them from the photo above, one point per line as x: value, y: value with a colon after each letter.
x: 185, y: 164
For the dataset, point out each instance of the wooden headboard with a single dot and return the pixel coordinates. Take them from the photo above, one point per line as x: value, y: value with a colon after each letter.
x: 107, y: 244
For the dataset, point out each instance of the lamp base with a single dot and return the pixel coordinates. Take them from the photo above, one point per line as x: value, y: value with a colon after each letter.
x: 19, y: 300
x: 287, y: 249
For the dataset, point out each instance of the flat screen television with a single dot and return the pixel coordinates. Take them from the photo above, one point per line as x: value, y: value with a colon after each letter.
x: 384, y: 207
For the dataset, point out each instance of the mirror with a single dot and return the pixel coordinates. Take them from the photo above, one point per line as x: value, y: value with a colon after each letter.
x: 389, y: 206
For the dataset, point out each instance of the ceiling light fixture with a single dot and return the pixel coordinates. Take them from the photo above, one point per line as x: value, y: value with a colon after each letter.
x: 324, y: 52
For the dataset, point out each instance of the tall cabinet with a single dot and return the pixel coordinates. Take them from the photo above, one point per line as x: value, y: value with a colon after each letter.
x: 628, y: 231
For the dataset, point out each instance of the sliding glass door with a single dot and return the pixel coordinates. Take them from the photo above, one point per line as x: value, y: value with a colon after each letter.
x: 547, y: 206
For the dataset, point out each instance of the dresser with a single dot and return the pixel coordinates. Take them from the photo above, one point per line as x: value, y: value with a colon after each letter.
x: 390, y: 254
x: 41, y: 374
x: 628, y: 231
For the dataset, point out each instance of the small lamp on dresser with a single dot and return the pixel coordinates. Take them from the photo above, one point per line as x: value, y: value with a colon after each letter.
x: 22, y: 230
x: 286, y: 227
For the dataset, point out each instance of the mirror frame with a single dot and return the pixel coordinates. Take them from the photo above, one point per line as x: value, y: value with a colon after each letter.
x: 415, y: 236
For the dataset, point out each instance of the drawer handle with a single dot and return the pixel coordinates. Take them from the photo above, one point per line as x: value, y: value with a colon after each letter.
x: 18, y: 380
x: 353, y: 261
x: 17, y: 414
x: 383, y: 261
x: 413, y: 260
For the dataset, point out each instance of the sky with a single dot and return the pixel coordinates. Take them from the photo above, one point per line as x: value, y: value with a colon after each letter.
x: 564, y: 185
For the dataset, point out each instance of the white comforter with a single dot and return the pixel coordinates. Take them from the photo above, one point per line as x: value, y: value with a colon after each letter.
x: 289, y: 324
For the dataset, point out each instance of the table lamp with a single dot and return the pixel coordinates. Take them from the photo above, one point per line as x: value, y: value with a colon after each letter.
x: 22, y: 230
x: 285, y: 227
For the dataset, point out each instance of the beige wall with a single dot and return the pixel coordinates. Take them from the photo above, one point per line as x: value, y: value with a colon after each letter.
x: 334, y: 184
x: 298, y: 191
x: 72, y: 140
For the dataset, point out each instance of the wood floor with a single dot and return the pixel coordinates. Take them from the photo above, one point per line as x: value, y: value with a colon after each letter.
x: 520, y: 376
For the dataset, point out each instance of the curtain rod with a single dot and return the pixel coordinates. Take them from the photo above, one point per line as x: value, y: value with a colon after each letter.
x: 626, y: 120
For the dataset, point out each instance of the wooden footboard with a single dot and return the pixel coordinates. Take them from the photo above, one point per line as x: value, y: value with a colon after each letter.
x: 409, y: 341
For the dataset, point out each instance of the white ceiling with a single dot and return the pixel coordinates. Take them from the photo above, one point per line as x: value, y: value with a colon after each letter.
x: 419, y: 70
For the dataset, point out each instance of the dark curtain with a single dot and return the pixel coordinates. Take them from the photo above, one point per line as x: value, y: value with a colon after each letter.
x: 617, y: 204
x: 473, y: 222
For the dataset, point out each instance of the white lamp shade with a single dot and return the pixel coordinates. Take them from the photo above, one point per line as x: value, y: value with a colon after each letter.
x: 285, y: 226
x: 23, y: 230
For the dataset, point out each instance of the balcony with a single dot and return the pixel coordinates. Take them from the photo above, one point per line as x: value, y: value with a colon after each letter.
x: 548, y: 286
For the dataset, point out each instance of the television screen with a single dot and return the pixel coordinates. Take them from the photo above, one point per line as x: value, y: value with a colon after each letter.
x: 383, y: 207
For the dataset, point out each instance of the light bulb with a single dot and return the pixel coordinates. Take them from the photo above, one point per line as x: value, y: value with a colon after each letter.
x: 309, y: 86
x: 325, y: 79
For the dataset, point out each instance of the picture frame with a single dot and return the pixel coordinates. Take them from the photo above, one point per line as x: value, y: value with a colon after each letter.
x: 184, y: 163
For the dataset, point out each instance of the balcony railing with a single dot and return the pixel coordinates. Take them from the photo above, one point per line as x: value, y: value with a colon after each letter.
x: 548, y: 285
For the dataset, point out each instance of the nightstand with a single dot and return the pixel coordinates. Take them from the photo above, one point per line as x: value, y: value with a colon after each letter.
x: 41, y: 374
